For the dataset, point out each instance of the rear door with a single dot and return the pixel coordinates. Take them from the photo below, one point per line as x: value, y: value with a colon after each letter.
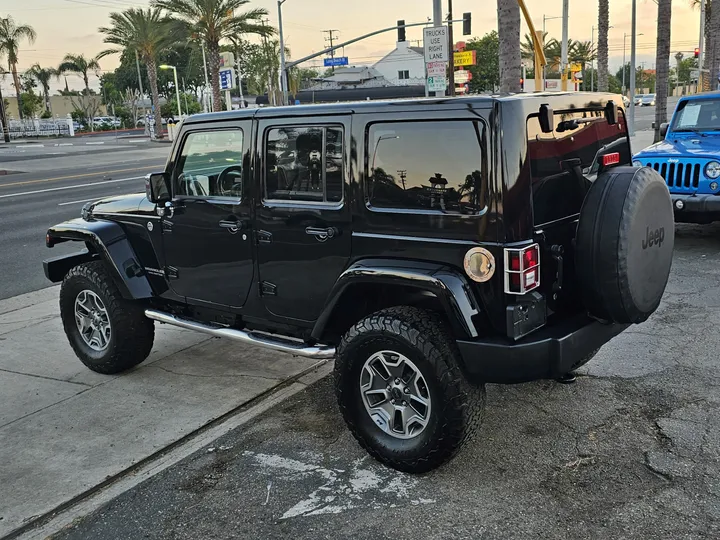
x: 302, y: 220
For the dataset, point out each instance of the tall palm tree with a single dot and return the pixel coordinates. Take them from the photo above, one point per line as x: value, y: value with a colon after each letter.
x: 662, y: 64
x: 44, y: 76
x: 148, y: 32
x: 527, y: 50
x: 509, y: 36
x: 582, y: 52
x: 712, y: 50
x: 78, y: 64
x: 211, y: 21
x: 11, y: 35
x: 602, y: 47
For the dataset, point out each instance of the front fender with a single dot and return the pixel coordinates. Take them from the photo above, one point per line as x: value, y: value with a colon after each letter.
x: 449, y: 286
x: 108, y: 242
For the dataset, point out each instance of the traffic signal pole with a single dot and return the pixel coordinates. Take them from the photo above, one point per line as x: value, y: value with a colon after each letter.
x: 451, y: 48
x: 537, y: 35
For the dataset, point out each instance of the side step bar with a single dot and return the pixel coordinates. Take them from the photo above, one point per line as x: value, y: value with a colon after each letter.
x: 297, y: 348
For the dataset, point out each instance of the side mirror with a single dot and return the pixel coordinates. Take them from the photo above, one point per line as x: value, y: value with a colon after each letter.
x: 157, y: 188
x: 664, y: 129
x: 611, y: 113
x: 547, y: 120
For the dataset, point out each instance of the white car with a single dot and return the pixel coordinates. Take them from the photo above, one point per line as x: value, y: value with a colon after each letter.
x: 648, y: 100
x: 106, y: 120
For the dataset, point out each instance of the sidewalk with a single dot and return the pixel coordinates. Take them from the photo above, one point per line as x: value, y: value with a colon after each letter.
x: 65, y: 430
x: 641, y: 140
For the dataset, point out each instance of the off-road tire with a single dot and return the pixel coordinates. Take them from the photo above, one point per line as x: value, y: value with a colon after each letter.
x: 457, y: 406
x: 131, y: 333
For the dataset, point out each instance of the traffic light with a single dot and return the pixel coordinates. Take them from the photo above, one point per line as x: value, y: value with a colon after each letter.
x: 401, y: 31
x: 697, y: 52
x: 467, y: 24
x: 522, y: 83
x: 244, y: 87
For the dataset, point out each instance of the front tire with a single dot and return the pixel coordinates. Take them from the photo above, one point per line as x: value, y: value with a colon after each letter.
x: 108, y: 333
x: 401, y: 391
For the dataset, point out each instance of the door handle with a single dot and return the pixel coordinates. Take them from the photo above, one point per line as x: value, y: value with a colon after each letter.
x: 231, y: 225
x: 320, y: 233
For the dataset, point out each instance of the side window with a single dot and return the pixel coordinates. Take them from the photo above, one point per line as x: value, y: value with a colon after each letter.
x: 304, y: 164
x: 403, y: 74
x: 210, y: 164
x: 427, y: 166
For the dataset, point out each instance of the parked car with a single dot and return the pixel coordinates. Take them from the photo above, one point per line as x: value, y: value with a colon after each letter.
x: 648, y: 100
x: 409, y: 240
x: 638, y: 99
x: 688, y: 158
x: 99, y: 121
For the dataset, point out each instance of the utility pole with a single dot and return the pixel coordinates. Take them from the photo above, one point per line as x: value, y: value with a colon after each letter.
x: 142, y: 92
x: 678, y: 59
x: 451, y: 48
x: 283, y: 75
x: 564, y: 61
x: 701, y: 57
x: 437, y: 22
x: 207, y: 83
x: 403, y: 174
x: 331, y: 39
x: 633, y: 44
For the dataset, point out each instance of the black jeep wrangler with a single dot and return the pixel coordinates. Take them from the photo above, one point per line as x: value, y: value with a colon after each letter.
x: 429, y: 246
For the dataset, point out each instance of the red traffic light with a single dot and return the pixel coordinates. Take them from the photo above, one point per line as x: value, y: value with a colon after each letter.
x: 697, y: 52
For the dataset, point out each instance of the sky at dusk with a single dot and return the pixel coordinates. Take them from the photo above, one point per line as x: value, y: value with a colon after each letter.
x: 65, y: 26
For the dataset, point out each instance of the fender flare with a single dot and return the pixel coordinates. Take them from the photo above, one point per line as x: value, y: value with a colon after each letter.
x: 111, y: 245
x: 447, y: 284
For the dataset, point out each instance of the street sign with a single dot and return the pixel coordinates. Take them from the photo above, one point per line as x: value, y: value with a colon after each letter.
x: 462, y: 76
x: 337, y: 61
x: 575, y: 67
x: 465, y: 58
x: 437, y: 84
x: 694, y: 73
x: 436, y: 69
x: 227, y: 60
x: 227, y: 79
x: 436, y: 44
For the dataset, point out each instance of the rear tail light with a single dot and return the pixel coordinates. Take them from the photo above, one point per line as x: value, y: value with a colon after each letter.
x: 522, y: 269
x: 611, y: 159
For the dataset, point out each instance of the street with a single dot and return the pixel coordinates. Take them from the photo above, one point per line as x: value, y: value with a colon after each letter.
x: 48, y: 183
x: 628, y: 451
x: 645, y: 116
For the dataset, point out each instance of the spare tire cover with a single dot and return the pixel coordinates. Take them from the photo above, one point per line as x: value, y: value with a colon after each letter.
x: 624, y: 244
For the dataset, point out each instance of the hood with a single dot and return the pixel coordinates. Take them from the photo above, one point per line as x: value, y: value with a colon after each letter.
x: 695, y: 146
x: 122, y: 204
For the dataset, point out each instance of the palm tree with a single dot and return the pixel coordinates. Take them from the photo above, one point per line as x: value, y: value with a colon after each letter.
x: 11, y: 35
x: 148, y: 32
x: 44, y: 76
x: 78, y: 64
x: 602, y: 47
x: 509, y: 36
x: 527, y: 50
x: 211, y: 21
x: 583, y: 52
x: 662, y: 64
x: 712, y: 54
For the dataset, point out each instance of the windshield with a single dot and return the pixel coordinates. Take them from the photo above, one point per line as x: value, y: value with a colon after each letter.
x: 697, y: 115
x: 649, y: 96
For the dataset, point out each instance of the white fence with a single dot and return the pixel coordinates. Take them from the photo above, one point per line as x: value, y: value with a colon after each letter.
x: 41, y: 127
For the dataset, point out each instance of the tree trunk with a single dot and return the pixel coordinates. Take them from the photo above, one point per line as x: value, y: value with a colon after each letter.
x: 87, y: 83
x: 602, y: 46
x: 662, y: 64
x: 154, y: 95
x: 714, y: 52
x: 18, y: 90
x: 214, y: 65
x: 509, y: 36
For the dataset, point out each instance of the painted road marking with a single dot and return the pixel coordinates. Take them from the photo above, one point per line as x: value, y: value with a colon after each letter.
x: 72, y: 176
x: 84, y: 200
x: 71, y: 187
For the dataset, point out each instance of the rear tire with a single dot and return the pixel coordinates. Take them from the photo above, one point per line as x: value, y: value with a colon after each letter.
x: 402, y: 432
x: 108, y: 333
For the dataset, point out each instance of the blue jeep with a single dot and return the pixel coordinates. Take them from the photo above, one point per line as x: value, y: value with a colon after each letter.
x: 689, y: 158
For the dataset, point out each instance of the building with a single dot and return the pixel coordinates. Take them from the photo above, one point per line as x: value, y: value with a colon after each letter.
x: 404, y: 66
x: 352, y: 77
x: 60, y: 106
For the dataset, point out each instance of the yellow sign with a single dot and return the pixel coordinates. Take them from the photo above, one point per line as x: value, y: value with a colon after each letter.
x: 465, y: 58
x: 575, y: 67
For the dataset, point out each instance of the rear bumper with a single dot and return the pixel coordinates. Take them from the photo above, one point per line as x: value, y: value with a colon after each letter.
x: 696, y: 208
x: 546, y: 354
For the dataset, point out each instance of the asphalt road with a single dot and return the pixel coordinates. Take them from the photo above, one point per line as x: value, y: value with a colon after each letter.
x: 48, y: 183
x: 631, y: 450
x: 645, y: 116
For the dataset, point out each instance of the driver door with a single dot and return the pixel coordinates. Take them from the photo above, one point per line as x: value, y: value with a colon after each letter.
x: 206, y: 235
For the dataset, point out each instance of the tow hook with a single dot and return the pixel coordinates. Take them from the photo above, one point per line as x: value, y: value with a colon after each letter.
x: 557, y: 252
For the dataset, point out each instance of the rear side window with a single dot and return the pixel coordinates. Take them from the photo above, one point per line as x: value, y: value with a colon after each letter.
x: 426, y: 166
x: 578, y: 143
x: 304, y: 163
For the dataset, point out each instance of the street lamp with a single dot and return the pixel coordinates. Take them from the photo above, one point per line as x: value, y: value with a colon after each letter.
x: 177, y: 88
x: 545, y: 19
x: 623, y: 82
x: 283, y: 75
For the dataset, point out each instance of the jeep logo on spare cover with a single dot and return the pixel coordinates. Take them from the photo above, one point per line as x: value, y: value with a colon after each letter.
x: 388, y: 277
x: 653, y: 237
